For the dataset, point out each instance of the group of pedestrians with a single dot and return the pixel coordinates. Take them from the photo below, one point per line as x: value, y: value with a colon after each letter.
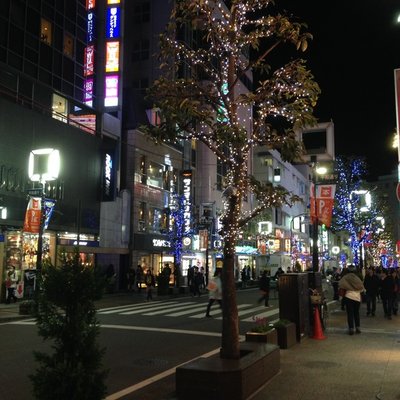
x: 383, y: 284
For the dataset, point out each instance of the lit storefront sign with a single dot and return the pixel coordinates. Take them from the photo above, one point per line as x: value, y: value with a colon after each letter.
x: 113, y: 1
x: 89, y: 61
x: 90, y: 4
x: 111, y: 91
x: 187, y: 202
x: 90, y: 27
x: 112, y: 56
x: 113, y: 22
x: 88, y: 92
x: 108, y: 178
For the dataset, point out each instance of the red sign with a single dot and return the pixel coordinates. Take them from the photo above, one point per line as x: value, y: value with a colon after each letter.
x: 32, y: 216
x: 321, y: 203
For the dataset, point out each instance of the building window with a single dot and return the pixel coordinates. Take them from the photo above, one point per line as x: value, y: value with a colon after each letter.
x: 46, y: 31
x: 142, y: 217
x: 277, y: 175
x: 141, y: 12
x: 68, y: 45
x: 155, y: 174
x: 142, y: 170
x: 60, y: 108
x: 141, y: 50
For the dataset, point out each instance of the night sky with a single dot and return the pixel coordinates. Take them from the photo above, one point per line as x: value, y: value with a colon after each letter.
x: 355, y: 50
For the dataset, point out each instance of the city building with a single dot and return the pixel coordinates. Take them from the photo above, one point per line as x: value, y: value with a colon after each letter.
x: 60, y: 89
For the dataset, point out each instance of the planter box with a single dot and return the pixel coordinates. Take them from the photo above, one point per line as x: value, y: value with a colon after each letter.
x: 286, y: 335
x: 263, y: 337
x: 214, y: 378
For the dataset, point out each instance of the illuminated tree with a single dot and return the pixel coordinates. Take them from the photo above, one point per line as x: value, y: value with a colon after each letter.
x: 353, y: 212
x: 202, y: 96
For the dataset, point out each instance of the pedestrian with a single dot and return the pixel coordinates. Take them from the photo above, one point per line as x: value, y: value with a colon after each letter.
x: 278, y: 273
x: 371, y: 284
x: 244, y: 277
x: 131, y: 275
x: 264, y: 288
x: 167, y: 272
x: 11, y: 285
x: 190, y: 276
x: 388, y: 292
x: 353, y: 286
x: 335, y: 278
x: 139, y: 277
x: 396, y: 277
x: 150, y: 282
x: 177, y: 274
x: 197, y: 281
x: 214, y: 291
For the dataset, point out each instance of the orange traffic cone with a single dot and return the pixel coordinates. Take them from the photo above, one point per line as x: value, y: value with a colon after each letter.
x: 318, y: 334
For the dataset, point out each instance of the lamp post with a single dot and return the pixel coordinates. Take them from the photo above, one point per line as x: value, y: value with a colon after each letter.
x: 44, y: 166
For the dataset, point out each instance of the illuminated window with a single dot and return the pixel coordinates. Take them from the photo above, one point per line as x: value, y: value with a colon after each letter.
x: 155, y: 174
x: 142, y: 217
x: 60, y: 108
x: 45, y: 31
x: 277, y: 175
x: 68, y: 45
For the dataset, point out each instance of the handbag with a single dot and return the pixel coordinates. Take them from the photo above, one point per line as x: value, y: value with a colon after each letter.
x: 342, y: 292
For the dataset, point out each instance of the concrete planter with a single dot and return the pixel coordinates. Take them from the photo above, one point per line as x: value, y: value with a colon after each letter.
x: 286, y: 335
x: 270, y: 336
x: 214, y: 378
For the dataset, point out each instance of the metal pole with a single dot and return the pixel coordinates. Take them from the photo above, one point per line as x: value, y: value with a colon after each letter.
x: 39, y: 255
x: 315, y: 261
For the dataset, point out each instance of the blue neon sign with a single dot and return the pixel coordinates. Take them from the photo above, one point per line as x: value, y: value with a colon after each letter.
x: 113, y: 22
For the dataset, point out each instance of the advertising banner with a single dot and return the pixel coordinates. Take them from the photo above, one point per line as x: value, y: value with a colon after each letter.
x: 321, y: 203
x: 33, y: 214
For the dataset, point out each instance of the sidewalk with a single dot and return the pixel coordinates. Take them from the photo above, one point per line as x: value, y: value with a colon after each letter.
x: 344, y: 367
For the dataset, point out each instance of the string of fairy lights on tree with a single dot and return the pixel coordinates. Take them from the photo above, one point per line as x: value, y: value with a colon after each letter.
x: 212, y: 104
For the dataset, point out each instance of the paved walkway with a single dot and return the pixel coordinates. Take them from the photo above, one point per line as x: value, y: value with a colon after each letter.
x: 365, y: 366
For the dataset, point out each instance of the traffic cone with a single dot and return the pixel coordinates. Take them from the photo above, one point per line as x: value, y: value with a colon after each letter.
x: 318, y: 334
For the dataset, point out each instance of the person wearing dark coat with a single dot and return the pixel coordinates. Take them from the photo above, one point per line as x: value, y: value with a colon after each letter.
x: 371, y: 284
x: 264, y: 288
x: 387, y: 292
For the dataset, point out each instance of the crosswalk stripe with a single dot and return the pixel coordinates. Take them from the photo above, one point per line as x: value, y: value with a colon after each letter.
x: 191, y: 306
x: 216, y: 311
x: 111, y: 310
x: 141, y: 310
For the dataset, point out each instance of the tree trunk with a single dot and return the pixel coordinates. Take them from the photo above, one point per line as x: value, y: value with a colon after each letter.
x: 230, y: 319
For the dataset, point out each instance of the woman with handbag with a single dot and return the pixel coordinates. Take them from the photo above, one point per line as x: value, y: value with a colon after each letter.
x: 353, y: 286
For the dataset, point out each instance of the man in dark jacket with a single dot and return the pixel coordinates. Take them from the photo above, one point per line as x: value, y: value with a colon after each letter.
x: 264, y: 288
x: 371, y: 284
x: 387, y: 293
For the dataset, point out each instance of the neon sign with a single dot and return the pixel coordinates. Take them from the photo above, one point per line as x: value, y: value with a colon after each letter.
x: 89, y: 61
x: 88, y: 92
x: 90, y: 27
x: 111, y: 91
x: 113, y: 22
x: 112, y: 56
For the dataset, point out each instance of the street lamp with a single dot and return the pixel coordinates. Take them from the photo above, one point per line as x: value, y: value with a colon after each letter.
x: 44, y: 166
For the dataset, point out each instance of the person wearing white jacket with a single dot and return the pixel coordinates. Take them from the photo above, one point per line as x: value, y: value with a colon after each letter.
x: 214, y: 291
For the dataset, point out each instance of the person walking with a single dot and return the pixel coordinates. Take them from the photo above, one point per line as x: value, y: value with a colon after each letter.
x: 139, y: 277
x: 335, y: 283
x: 353, y: 286
x: 214, y: 291
x: 197, y: 281
x: 396, y: 277
x: 11, y: 285
x: 371, y: 284
x: 264, y: 288
x: 388, y: 292
x: 131, y: 278
x: 150, y: 284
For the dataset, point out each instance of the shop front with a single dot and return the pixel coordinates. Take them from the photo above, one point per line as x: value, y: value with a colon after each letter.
x: 152, y: 252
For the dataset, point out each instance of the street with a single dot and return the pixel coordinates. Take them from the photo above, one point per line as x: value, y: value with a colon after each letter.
x: 144, y: 342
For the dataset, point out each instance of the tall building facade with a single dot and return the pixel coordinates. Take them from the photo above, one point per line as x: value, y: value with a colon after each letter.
x: 59, y: 77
